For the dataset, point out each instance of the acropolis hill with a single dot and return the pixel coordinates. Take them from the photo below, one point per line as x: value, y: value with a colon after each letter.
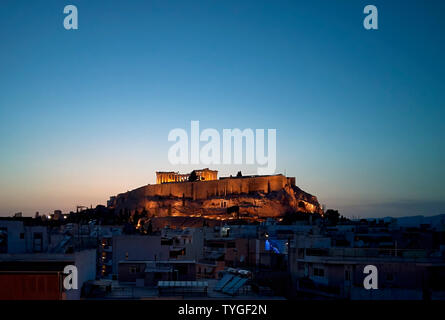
x: 252, y: 197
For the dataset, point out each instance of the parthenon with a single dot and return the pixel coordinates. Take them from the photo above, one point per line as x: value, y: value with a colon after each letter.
x: 171, y: 176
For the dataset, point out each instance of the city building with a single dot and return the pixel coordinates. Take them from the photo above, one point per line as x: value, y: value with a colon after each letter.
x: 39, y: 276
x: 148, y: 273
x: 137, y: 248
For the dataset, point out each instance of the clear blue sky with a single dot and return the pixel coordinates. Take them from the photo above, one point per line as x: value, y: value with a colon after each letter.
x: 359, y: 114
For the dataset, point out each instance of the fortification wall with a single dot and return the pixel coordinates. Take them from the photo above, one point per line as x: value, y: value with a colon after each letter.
x: 202, y: 190
x: 205, y: 189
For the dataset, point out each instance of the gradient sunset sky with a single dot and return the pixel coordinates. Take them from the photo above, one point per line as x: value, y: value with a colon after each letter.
x: 85, y: 114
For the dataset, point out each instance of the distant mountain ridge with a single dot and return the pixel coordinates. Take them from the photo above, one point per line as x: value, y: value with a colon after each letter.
x: 414, y: 221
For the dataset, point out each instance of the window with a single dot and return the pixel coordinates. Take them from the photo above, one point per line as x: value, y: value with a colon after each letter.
x: 300, y: 253
x: 132, y: 269
x: 37, y: 241
x: 3, y: 240
x: 158, y: 275
x: 230, y: 244
x: 22, y: 236
x: 347, y: 275
x: 318, y: 272
x: 390, y: 276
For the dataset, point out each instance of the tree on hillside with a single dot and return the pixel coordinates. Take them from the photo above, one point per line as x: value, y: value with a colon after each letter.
x: 193, y: 176
x: 333, y: 216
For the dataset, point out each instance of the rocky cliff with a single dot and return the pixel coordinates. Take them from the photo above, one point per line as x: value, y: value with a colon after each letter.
x: 243, y: 197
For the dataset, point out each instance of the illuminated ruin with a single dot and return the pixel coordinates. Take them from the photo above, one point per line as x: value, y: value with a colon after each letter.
x: 171, y: 176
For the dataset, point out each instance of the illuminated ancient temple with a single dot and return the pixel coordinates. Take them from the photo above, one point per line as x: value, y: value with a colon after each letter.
x: 171, y: 176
